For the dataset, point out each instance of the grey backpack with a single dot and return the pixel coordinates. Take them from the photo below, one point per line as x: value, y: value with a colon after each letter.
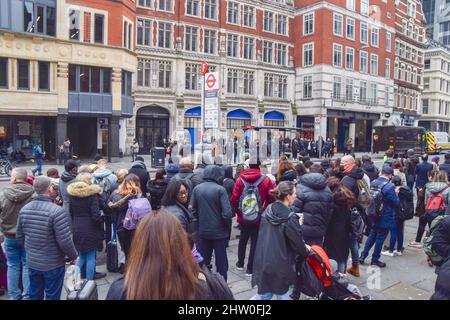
x: 250, y: 202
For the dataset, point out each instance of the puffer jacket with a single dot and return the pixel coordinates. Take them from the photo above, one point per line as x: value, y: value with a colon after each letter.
x: 139, y: 168
x: 211, y: 206
x: 44, y: 230
x: 13, y: 198
x: 442, y: 287
x: 87, y: 223
x: 279, y: 242
x: 251, y: 176
x: 315, y: 201
x: 66, y: 179
x: 437, y: 187
x: 441, y: 239
x: 289, y: 175
x: 157, y: 189
x: 350, y: 180
x: 371, y: 170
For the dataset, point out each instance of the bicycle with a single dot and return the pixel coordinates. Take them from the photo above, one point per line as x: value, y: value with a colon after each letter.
x: 6, y: 167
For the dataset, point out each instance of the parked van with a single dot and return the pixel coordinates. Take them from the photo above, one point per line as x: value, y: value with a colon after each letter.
x: 437, y: 142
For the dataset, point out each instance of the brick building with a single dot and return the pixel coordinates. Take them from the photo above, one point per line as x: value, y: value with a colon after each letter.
x: 409, y: 60
x: 65, y: 70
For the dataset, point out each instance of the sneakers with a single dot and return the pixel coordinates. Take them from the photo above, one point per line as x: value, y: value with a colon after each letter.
x: 387, y: 253
x: 361, y: 260
x: 248, y: 274
x: 398, y: 253
x: 238, y: 267
x: 415, y: 244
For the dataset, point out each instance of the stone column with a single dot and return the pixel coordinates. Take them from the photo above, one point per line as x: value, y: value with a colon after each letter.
x: 116, y: 90
x: 63, y: 87
x: 61, y: 132
x: 113, y: 139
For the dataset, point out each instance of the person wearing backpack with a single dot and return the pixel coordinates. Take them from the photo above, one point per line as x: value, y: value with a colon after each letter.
x: 105, y: 179
x: 87, y: 223
x: 280, y: 242
x: 38, y: 158
x: 369, y: 168
x: 381, y: 214
x: 119, y: 200
x: 211, y: 206
x: 251, y: 184
x: 167, y: 269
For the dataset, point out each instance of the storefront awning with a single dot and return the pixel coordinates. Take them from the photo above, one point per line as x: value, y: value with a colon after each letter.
x: 239, y: 114
x: 193, y: 112
x: 274, y: 115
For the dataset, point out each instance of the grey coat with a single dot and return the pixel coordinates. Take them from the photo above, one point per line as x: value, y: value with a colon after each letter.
x: 66, y: 179
x: 44, y: 229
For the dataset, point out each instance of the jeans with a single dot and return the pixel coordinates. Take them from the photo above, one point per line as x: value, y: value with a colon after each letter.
x: 397, y: 236
x: 86, y: 262
x: 268, y: 296
x: 421, y: 229
x: 354, y: 249
x: 247, y: 232
x: 38, y: 169
x: 206, y: 247
x: 410, y: 182
x: 393, y: 239
x: 48, y: 282
x: 15, y: 258
x: 376, y: 237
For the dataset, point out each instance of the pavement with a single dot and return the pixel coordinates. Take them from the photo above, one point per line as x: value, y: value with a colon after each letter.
x: 406, y: 277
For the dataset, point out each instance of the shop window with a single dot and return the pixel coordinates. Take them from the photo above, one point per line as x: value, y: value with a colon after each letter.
x: 23, y: 74
x: 3, y: 73
x: 44, y: 76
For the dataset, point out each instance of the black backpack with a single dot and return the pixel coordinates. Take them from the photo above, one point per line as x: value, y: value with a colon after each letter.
x: 405, y: 210
x: 375, y: 208
x: 357, y: 222
x: 217, y: 286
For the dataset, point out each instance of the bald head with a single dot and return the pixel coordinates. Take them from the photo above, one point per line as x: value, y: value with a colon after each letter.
x: 185, y: 163
x: 347, y: 160
x: 19, y: 175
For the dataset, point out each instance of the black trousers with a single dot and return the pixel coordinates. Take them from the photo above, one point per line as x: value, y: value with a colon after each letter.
x: 421, y: 229
x: 125, y: 238
x: 247, y: 232
x: 219, y: 246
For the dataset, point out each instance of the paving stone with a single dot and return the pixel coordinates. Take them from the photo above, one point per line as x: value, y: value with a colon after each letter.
x: 406, y: 291
x: 427, y: 285
x: 240, y: 286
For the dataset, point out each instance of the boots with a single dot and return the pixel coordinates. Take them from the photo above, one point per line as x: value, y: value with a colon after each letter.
x: 354, y: 270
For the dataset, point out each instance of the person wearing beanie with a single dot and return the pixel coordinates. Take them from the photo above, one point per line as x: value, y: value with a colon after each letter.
x: 172, y: 169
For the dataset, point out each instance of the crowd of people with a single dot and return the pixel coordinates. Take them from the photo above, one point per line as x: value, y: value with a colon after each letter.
x: 51, y: 220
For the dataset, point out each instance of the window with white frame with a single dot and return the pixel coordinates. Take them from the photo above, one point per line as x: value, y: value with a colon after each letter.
x: 351, y: 5
x: 373, y: 93
x: 337, y: 86
x: 191, y: 36
x: 232, y: 81
x: 365, y: 7
x: 414, y: 78
x: 249, y: 16
x: 388, y: 41
x: 425, y: 103
x: 268, y: 51
x: 350, y: 58
x: 164, y: 35
x: 349, y: 89
x: 211, y: 9
x: 337, y: 55
x: 281, y: 54
x: 210, y: 40
x: 386, y: 95
x: 248, y: 82
x: 364, y: 33
x: 268, y: 21
x: 282, y: 24
x: 308, y: 24
x: 74, y: 24
x: 232, y: 45
x: 154, y: 74
x: 363, y: 91
x: 396, y: 70
x: 165, y: 5
x: 374, y: 64
x: 363, y: 61
x: 249, y: 48
x: 145, y: 3
x: 374, y: 37
x: 308, y: 54
x: 233, y: 12
x: 307, y: 87
x: 387, y: 70
x: 411, y: 9
x: 144, y: 31
x: 268, y: 85
x: 192, y: 72
x: 350, y: 28
x: 337, y: 23
x: 193, y: 7
x: 282, y: 87
x: 165, y: 74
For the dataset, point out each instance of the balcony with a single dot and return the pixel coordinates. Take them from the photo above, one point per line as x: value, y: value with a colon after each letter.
x: 90, y: 103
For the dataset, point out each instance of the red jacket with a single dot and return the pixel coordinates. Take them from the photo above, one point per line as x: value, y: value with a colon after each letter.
x: 250, y: 176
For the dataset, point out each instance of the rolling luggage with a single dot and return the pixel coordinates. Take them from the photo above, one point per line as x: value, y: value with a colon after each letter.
x: 88, y: 291
x: 112, y: 255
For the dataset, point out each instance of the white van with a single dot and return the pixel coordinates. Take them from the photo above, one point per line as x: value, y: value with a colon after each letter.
x: 441, y: 141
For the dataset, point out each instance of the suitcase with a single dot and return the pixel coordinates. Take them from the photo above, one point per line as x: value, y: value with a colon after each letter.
x: 88, y: 291
x: 112, y: 255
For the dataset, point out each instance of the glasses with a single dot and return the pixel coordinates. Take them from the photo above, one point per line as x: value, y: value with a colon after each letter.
x: 183, y: 194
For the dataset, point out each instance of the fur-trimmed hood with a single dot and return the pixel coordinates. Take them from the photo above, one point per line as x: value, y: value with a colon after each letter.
x: 81, y: 189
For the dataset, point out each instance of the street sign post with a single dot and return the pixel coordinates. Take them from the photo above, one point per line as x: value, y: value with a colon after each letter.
x: 211, y: 100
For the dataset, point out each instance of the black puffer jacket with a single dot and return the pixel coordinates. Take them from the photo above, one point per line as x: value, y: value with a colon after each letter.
x: 442, y: 287
x: 138, y: 168
x: 350, y: 180
x: 441, y: 239
x: 279, y: 242
x: 314, y: 200
x: 156, y: 188
x: 87, y: 223
x: 289, y: 175
x: 371, y: 170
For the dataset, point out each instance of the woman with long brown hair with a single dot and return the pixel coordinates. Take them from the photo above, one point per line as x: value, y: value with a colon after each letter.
x: 161, y: 265
x: 129, y: 189
x: 286, y: 171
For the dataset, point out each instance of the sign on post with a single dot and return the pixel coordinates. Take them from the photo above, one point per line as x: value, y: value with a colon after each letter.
x: 211, y: 100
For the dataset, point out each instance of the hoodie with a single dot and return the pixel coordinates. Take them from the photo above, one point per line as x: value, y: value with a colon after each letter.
x: 314, y: 199
x: 211, y: 205
x: 12, y: 200
x: 350, y: 180
x: 251, y: 176
x: 437, y: 187
x: 371, y: 170
x: 66, y: 179
x: 140, y: 169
